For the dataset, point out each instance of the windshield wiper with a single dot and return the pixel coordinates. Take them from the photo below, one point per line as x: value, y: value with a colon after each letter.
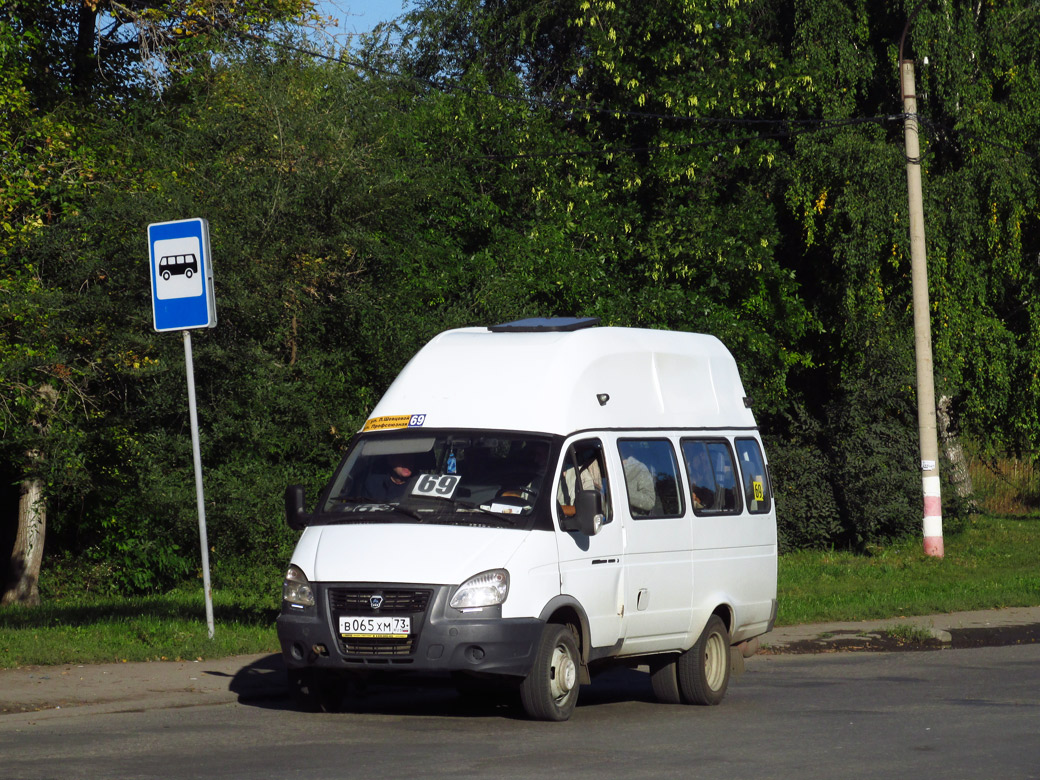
x: 498, y: 516
x: 357, y: 500
x: 384, y: 506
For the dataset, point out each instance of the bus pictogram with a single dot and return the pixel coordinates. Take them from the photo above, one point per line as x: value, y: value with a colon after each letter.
x: 177, y: 265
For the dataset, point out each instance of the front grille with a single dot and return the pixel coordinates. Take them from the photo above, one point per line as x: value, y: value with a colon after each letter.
x: 356, y: 600
x: 362, y: 646
x: 396, y: 601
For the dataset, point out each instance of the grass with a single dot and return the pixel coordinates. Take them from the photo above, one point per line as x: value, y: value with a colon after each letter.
x: 991, y: 563
x: 909, y: 634
x: 171, y: 627
x: 1004, y: 485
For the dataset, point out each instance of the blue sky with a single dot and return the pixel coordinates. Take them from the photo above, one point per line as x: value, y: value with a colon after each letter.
x: 360, y: 15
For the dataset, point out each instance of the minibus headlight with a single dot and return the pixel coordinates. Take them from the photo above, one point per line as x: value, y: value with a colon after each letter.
x: 296, y: 590
x: 482, y: 590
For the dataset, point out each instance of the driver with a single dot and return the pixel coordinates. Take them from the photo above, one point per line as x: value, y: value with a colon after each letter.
x: 390, y: 485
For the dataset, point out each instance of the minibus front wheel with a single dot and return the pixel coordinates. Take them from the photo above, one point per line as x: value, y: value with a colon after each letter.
x: 550, y: 691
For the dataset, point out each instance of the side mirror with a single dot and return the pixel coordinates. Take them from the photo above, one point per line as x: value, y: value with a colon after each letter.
x: 295, y: 516
x: 588, y: 511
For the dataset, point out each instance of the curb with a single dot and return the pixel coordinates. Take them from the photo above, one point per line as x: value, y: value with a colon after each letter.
x: 45, y: 692
x: 952, y: 629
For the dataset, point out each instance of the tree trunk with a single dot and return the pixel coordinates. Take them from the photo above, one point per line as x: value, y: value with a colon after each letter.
x: 960, y: 477
x: 22, y: 586
x: 84, y: 62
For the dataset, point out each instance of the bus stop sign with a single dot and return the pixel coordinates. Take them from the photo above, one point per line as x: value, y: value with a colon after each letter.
x: 182, y: 275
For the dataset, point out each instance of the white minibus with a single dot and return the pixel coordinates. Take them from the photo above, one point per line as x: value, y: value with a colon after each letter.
x: 532, y: 502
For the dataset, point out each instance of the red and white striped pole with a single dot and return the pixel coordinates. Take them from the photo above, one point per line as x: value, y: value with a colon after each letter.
x: 933, y: 537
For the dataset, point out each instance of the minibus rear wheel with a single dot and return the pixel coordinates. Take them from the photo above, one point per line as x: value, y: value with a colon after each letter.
x: 550, y: 691
x: 664, y: 678
x: 704, y: 668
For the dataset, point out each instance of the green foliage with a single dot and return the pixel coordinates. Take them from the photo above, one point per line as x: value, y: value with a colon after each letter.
x: 45, y: 173
x: 807, y: 511
x: 706, y: 167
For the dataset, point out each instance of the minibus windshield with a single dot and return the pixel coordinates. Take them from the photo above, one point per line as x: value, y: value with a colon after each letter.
x: 460, y: 476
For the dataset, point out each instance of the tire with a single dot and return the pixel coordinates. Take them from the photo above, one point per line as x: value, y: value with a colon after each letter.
x: 664, y: 677
x: 188, y: 273
x: 550, y: 691
x: 316, y: 691
x: 704, y: 668
x: 166, y: 276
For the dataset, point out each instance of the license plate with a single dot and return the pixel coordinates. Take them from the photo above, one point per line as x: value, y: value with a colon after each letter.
x: 396, y: 627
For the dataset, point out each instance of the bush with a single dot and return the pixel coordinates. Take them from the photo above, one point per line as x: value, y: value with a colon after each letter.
x: 806, y: 507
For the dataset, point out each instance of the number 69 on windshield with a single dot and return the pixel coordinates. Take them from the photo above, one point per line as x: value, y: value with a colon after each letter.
x: 436, y: 485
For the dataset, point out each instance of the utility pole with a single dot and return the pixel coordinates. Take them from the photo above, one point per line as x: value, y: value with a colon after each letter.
x: 933, y: 538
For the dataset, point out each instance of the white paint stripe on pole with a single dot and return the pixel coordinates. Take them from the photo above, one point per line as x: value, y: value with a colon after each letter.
x: 932, y: 526
x: 199, y: 497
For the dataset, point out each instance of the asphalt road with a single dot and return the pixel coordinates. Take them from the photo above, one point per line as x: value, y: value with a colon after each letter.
x: 971, y: 713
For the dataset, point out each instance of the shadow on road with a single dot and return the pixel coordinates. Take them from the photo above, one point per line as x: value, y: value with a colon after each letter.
x: 263, y: 684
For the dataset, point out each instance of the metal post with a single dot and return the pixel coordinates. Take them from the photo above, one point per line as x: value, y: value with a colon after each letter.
x: 933, y: 538
x: 199, y: 498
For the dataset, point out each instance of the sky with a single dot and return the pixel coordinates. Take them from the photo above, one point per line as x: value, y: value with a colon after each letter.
x: 360, y: 15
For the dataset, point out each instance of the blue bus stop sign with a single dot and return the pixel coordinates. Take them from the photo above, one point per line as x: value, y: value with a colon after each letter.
x: 182, y: 275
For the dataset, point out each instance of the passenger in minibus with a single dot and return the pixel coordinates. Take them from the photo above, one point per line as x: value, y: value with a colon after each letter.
x: 640, y: 483
x: 702, y: 478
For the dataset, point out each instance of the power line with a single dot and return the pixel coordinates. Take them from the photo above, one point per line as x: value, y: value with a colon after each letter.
x: 944, y: 130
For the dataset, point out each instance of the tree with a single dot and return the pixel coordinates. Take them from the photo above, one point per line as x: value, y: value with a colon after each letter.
x: 757, y: 178
x: 109, y: 50
x: 43, y: 172
x: 707, y: 167
x: 979, y: 209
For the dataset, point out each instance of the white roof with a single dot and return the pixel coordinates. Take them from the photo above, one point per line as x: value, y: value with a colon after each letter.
x: 552, y: 382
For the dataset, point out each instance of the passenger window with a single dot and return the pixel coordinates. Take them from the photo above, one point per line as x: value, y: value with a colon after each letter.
x: 713, y: 480
x: 651, y: 477
x: 583, y: 469
x: 756, y: 478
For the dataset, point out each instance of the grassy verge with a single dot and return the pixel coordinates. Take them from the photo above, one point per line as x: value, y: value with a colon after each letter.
x: 992, y: 563
x: 92, y: 629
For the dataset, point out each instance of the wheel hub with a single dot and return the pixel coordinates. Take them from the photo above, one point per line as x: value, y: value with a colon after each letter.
x: 564, y: 673
x: 715, y: 660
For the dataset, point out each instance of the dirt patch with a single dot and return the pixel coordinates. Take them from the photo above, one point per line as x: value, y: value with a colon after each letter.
x: 883, y: 642
x: 995, y: 637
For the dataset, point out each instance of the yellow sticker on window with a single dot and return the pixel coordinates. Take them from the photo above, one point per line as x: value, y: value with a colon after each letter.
x: 394, y: 421
x: 760, y: 493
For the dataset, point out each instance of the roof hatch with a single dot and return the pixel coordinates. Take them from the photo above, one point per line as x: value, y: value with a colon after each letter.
x: 545, y: 325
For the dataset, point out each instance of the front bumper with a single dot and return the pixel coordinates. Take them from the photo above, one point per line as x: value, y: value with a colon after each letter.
x: 443, y: 639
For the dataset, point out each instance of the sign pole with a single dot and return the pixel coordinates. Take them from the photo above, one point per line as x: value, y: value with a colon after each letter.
x: 181, y: 271
x: 199, y: 497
